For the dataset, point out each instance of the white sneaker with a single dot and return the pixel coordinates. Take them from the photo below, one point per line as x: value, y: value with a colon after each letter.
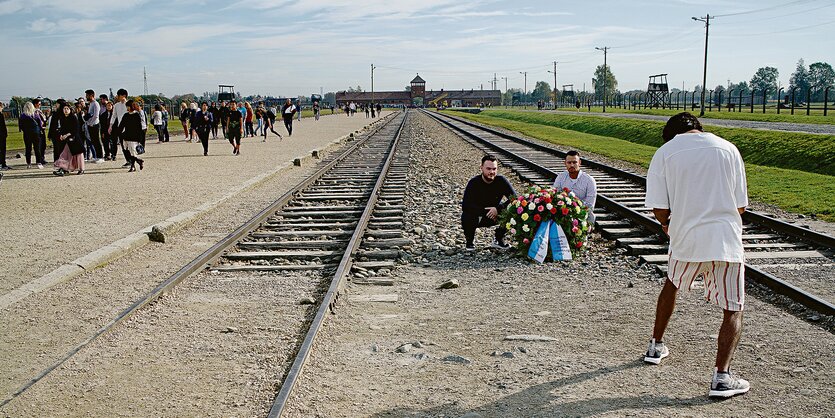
x: 655, y: 352
x: 40, y: 166
x: 725, y: 385
x: 98, y: 161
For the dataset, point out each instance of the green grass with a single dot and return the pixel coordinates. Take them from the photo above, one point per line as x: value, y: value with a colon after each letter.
x: 792, y: 190
x: 798, y: 151
x: 815, y: 117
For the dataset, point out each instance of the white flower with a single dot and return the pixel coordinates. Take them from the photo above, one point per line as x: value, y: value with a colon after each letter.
x: 526, y: 228
x: 531, y: 206
x: 549, y: 206
x: 512, y: 221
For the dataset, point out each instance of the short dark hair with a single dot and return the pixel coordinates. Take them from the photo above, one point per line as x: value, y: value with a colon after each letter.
x: 488, y: 157
x: 204, y: 103
x: 572, y: 153
x: 679, y: 124
x: 129, y: 104
x: 157, y: 107
x: 36, y: 101
x: 121, y: 92
x: 90, y: 92
x: 103, y: 96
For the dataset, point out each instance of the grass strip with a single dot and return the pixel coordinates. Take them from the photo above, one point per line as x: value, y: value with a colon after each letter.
x: 791, y: 150
x: 815, y: 117
x: 791, y: 190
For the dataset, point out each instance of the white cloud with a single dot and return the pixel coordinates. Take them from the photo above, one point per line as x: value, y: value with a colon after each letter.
x: 65, y: 25
x: 61, y: 7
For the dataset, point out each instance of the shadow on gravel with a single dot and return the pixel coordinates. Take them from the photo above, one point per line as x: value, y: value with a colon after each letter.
x: 539, y: 401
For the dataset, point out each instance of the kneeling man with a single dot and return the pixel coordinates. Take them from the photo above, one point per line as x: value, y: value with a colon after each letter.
x: 576, y: 180
x: 483, y: 202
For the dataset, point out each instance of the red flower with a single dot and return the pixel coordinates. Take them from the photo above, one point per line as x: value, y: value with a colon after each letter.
x: 565, y: 211
x: 548, y: 199
x: 537, y: 218
x: 554, y: 210
x: 566, y: 189
x: 580, y: 244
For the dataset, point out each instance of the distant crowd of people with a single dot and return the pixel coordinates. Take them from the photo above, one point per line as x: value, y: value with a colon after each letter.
x: 371, y: 111
x: 91, y: 131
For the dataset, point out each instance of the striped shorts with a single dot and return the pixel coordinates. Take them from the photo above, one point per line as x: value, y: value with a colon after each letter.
x: 724, y: 281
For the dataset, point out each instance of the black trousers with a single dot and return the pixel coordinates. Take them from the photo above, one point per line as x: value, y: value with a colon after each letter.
x: 471, y: 221
x: 204, y: 138
x: 288, y: 123
x: 94, y: 138
x: 3, y: 151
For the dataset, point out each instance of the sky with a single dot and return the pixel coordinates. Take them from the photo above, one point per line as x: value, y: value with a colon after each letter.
x: 290, y: 48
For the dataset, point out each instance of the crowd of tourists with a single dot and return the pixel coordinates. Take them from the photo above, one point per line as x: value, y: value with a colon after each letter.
x: 94, y: 131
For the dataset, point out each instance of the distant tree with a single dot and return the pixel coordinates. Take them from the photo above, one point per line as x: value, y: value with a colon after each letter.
x: 765, y: 78
x: 355, y: 90
x: 512, y: 95
x: 716, y: 92
x: 821, y: 75
x: 597, y: 82
x: 330, y: 98
x: 542, y: 91
x: 800, y: 79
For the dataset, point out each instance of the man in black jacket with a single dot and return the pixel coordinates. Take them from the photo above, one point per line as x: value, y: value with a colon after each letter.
x: 4, y: 133
x: 483, y: 202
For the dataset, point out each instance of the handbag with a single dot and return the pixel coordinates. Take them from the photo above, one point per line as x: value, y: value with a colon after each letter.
x: 140, y: 149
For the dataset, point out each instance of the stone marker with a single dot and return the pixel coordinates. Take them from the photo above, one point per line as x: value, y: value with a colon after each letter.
x: 449, y: 284
x: 529, y: 337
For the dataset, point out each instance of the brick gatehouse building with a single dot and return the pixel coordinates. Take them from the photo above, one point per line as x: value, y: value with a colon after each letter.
x: 418, y: 95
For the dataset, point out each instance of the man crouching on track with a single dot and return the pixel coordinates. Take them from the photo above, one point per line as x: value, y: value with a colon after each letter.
x: 696, y: 186
x: 483, y: 202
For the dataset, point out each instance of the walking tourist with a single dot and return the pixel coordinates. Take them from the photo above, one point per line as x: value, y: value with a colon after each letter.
x: 269, y: 122
x: 259, y: 121
x: 235, y: 128
x: 184, y: 120
x: 299, y: 109
x: 4, y: 133
x: 373, y: 111
x: 316, y: 110
x: 203, y: 126
x: 577, y: 181
x: 65, y: 131
x: 120, y: 108
x: 379, y: 110
x: 133, y: 135
x: 215, y: 118
x: 287, y: 112
x: 165, y: 117
x: 367, y: 109
x: 109, y: 142
x: 483, y: 202
x: 80, y: 113
x: 697, y: 188
x: 41, y: 120
x: 223, y: 114
x: 31, y: 129
x: 192, y: 120
x: 248, y: 116
x: 91, y: 119
x: 156, y: 119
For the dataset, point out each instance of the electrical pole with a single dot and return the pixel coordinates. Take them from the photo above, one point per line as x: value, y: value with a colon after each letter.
x: 145, y: 77
x: 555, y: 84
x: 505, y: 91
x: 372, y: 84
x: 605, y: 49
x: 706, y: 20
x: 526, y: 87
x: 495, y: 86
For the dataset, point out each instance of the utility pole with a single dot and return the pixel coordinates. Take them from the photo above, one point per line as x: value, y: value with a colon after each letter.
x: 555, y: 84
x: 605, y: 49
x: 706, y: 20
x: 495, y: 86
x: 505, y: 91
x: 145, y: 77
x: 526, y: 87
x: 372, y: 84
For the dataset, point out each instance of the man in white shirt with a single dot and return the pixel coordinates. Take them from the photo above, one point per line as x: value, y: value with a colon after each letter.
x: 576, y: 180
x: 119, y: 110
x: 697, y: 188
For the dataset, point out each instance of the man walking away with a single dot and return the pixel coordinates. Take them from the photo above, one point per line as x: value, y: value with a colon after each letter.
x: 483, y: 202
x: 697, y: 188
x: 4, y: 133
x: 91, y: 119
x: 287, y: 112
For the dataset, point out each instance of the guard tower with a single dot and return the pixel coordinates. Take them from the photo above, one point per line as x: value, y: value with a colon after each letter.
x: 418, y: 91
x: 225, y: 92
x: 568, y: 94
x: 657, y: 91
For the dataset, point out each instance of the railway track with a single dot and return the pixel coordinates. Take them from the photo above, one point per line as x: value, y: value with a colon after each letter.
x: 772, y: 247
x: 345, y: 219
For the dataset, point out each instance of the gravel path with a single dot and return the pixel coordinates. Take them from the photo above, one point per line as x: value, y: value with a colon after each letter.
x: 598, y: 311
x: 809, y: 128
x: 49, y: 221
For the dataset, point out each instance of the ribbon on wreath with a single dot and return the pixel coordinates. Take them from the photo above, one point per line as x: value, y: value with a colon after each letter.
x: 553, y: 234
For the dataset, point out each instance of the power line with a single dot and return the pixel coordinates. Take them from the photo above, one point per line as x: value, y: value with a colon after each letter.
x: 765, y: 9
x: 777, y: 32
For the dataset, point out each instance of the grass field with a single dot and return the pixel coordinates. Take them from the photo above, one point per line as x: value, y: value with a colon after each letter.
x: 792, y: 190
x: 815, y: 117
x: 798, y: 151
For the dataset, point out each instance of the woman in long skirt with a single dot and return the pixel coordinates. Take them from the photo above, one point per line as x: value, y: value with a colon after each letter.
x: 133, y: 134
x: 68, y: 138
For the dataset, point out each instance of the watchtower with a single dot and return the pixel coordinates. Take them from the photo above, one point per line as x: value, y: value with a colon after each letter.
x: 568, y: 94
x: 225, y: 92
x: 418, y: 90
x: 657, y: 91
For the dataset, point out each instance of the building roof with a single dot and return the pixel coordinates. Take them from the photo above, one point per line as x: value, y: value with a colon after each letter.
x: 417, y: 79
x: 381, y: 96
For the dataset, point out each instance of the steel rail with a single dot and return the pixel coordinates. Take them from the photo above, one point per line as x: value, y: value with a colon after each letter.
x: 800, y: 233
x: 199, y: 263
x: 653, y: 226
x: 330, y: 298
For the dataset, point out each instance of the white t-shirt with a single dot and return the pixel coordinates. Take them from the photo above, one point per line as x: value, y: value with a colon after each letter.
x: 157, y: 117
x: 700, y: 177
x: 583, y: 186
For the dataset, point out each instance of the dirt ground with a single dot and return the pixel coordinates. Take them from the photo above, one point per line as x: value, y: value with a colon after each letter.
x: 598, y: 310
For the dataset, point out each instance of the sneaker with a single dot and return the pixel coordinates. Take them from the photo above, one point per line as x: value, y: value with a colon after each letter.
x: 725, y: 385
x: 28, y: 166
x: 126, y: 165
x: 470, y: 247
x: 40, y: 166
x: 98, y: 161
x: 500, y: 244
x: 5, y: 168
x: 655, y: 352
